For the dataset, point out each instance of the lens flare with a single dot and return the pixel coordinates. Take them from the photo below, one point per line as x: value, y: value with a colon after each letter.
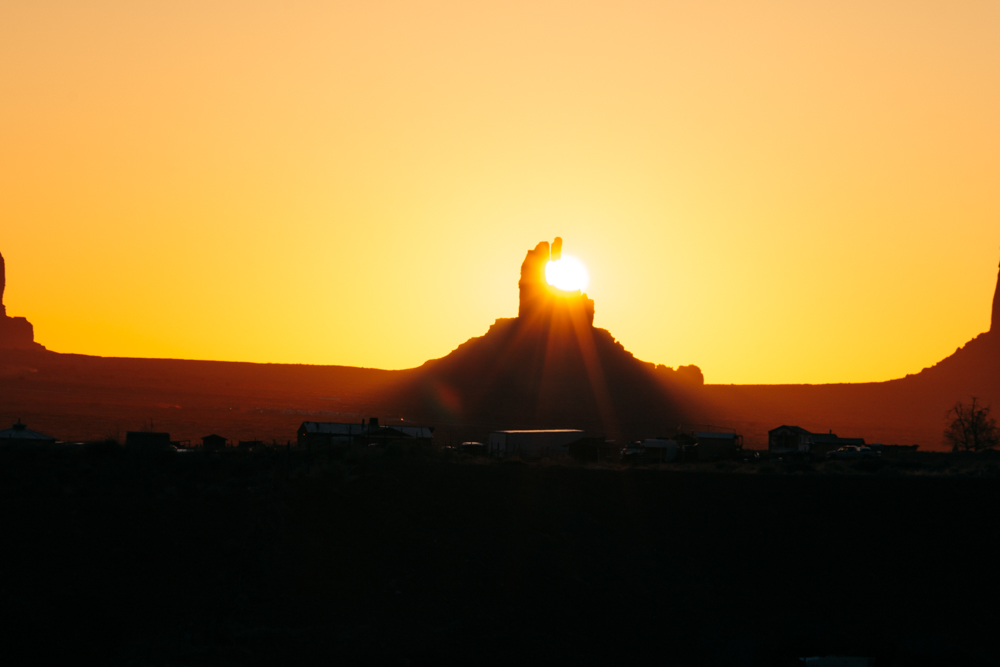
x: 567, y: 274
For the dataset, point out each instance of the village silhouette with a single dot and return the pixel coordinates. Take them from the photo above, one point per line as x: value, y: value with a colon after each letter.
x: 537, y: 492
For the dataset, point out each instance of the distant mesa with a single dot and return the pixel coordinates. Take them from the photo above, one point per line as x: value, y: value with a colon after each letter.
x: 973, y: 367
x: 995, y: 320
x: 549, y: 367
x: 15, y: 332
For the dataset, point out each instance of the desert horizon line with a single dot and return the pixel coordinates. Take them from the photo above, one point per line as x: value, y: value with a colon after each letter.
x: 555, y: 256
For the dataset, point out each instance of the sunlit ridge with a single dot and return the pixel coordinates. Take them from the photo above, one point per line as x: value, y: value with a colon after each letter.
x: 567, y: 274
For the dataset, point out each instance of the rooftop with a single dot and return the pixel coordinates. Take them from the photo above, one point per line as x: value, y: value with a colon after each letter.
x: 21, y: 432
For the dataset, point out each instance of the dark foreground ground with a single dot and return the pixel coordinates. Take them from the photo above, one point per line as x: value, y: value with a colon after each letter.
x: 290, y: 558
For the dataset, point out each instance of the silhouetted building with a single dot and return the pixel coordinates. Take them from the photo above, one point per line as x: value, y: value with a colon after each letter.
x: 21, y: 434
x: 786, y: 440
x: 213, y: 443
x: 533, y: 444
x: 827, y: 442
x: 592, y: 449
x: 318, y: 434
x: 713, y: 446
x: 145, y: 441
x: 659, y: 450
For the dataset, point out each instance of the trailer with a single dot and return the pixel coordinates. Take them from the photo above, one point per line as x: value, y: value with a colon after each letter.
x: 715, y: 446
x: 537, y: 444
x: 659, y: 450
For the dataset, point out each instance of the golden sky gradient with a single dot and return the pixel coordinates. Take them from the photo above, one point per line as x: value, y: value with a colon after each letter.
x: 775, y: 191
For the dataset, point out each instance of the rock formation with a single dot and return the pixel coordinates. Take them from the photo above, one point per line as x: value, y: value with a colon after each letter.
x: 549, y: 367
x: 3, y: 285
x: 995, y: 322
x: 531, y: 287
x: 538, y: 299
x: 972, y: 370
x: 15, y: 332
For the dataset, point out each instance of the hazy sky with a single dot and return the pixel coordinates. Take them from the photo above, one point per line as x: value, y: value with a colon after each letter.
x: 775, y: 191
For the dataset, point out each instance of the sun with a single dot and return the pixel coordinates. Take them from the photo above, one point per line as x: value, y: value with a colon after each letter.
x: 567, y: 274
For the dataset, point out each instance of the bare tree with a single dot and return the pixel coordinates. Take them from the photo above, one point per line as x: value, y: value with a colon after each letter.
x: 114, y: 435
x: 971, y: 428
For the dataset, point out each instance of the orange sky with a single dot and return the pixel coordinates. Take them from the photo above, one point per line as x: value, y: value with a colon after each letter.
x: 777, y: 192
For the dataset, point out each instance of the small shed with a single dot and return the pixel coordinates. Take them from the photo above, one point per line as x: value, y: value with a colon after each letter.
x: 714, y: 446
x: 21, y: 434
x: 214, y: 443
x: 788, y: 439
x: 659, y: 450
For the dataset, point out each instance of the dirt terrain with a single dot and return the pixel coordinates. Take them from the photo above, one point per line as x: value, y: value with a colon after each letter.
x: 284, y: 557
x: 80, y: 398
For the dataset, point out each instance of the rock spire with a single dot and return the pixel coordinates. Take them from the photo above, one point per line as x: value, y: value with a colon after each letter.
x: 15, y: 332
x: 995, y: 322
x: 537, y: 296
x: 3, y: 285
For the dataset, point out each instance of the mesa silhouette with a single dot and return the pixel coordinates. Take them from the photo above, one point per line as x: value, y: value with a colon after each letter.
x: 15, y: 332
x: 549, y: 367
x: 909, y: 410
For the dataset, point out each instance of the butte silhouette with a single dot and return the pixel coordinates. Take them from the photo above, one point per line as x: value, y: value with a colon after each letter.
x: 908, y: 410
x: 15, y: 332
x: 976, y: 365
x: 549, y: 367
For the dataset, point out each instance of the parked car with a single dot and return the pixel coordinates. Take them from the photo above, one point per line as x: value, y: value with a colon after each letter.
x: 473, y: 448
x: 632, y: 452
x: 853, y: 452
